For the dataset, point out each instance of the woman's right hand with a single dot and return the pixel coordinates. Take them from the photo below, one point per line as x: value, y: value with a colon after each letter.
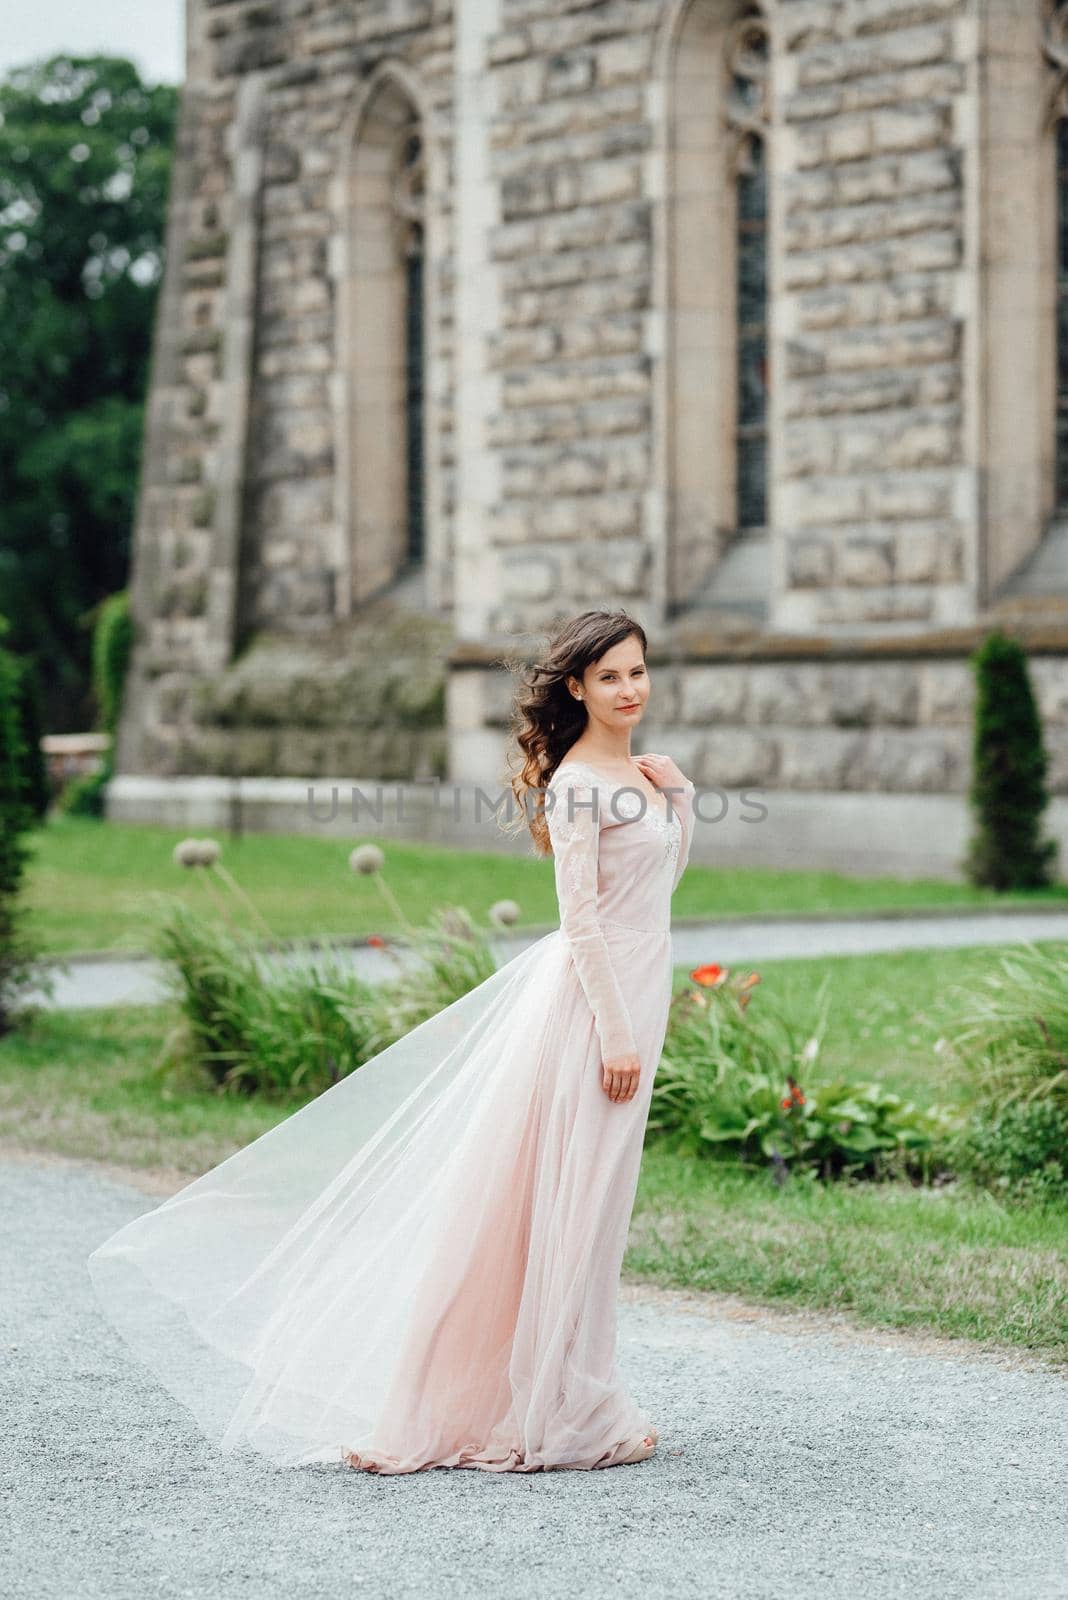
x: 619, y: 1077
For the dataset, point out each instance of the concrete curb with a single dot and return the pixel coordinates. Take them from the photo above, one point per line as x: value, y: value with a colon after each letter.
x: 536, y: 930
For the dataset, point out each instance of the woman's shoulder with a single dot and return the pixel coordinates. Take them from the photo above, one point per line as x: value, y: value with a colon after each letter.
x: 569, y: 775
x: 575, y: 780
x: 573, y: 770
x: 569, y: 762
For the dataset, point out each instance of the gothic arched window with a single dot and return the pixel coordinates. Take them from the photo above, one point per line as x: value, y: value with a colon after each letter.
x: 1059, y: 116
x: 747, y: 111
x: 382, y: 357
x: 409, y: 201
x: 714, y: 279
x: 1016, y: 364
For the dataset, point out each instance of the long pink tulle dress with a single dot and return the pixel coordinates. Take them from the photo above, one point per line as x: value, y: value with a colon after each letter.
x: 420, y: 1267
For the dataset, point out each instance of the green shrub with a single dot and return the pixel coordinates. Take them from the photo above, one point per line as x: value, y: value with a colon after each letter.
x: 112, y: 643
x: 1021, y: 1150
x: 1009, y: 1031
x: 730, y: 1083
x: 1008, y: 790
x: 37, y: 790
x: 17, y: 954
x: 113, y: 635
x: 453, y: 955
x: 253, y: 1022
x: 84, y: 796
x: 1012, y: 1047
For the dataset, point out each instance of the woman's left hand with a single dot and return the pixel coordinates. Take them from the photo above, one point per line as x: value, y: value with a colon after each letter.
x: 662, y: 771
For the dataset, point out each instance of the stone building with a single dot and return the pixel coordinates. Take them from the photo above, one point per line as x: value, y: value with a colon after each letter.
x: 749, y: 315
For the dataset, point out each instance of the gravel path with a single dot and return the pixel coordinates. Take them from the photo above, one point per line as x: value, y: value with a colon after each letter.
x: 791, y: 1463
x: 110, y: 981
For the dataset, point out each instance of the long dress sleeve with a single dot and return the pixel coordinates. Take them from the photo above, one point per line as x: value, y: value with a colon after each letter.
x: 683, y: 805
x: 574, y: 828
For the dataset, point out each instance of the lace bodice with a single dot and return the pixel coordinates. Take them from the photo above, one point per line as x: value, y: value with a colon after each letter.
x: 618, y: 856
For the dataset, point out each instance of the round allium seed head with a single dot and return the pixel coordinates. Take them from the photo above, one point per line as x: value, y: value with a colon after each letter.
x: 367, y: 858
x: 505, y: 912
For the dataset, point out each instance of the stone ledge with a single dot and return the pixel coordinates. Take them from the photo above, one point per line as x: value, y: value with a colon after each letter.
x: 864, y: 834
x: 684, y: 645
x: 536, y: 930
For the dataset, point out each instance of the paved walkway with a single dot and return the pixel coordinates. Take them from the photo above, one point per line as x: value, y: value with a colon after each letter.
x: 791, y: 1464
x: 108, y: 981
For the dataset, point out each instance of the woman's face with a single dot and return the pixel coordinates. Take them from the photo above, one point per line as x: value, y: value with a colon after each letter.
x: 614, y: 688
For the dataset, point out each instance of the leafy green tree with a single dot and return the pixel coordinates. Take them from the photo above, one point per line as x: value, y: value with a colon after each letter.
x: 85, y: 158
x: 1008, y: 790
x: 17, y: 955
x: 36, y: 786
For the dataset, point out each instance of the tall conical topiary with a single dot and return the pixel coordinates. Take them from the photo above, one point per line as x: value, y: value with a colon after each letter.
x: 113, y: 634
x: 112, y: 643
x: 1008, y: 790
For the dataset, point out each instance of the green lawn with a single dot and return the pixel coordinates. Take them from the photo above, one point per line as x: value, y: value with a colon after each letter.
x: 85, y: 1081
x: 886, y: 1012
x: 953, y: 1261
x: 86, y: 1084
x: 90, y: 885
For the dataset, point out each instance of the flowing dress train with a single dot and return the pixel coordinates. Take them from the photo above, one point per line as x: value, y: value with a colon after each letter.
x: 420, y: 1267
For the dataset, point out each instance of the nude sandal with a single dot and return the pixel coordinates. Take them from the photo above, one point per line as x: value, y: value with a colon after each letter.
x: 641, y: 1451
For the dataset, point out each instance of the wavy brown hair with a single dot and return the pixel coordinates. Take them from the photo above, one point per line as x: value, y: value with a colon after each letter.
x: 546, y: 719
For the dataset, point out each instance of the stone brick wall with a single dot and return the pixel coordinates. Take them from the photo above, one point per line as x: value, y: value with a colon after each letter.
x: 237, y: 528
x: 873, y: 502
x: 552, y: 389
x: 574, y: 252
x: 823, y: 718
x: 291, y: 545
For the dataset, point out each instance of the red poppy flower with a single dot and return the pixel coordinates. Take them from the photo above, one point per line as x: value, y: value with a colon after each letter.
x: 376, y: 939
x: 709, y: 976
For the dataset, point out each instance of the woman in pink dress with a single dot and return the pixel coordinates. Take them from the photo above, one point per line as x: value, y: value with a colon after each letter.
x: 420, y: 1267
